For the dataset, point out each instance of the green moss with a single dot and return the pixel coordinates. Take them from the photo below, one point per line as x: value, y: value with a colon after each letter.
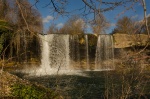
x: 32, y: 92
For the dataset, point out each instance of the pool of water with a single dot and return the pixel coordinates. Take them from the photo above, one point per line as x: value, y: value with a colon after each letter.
x: 92, y: 85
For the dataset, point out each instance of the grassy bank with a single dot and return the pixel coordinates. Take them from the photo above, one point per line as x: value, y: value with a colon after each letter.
x: 16, y: 88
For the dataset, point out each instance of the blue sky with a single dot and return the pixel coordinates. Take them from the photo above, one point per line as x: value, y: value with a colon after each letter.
x: 112, y: 16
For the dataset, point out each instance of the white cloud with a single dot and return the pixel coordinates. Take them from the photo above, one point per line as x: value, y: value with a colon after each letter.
x: 59, y: 25
x: 47, y: 19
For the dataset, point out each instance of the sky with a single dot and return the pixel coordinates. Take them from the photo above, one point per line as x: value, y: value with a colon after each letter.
x: 48, y: 17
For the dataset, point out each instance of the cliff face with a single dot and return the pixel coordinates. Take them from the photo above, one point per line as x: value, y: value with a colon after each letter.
x: 126, y: 40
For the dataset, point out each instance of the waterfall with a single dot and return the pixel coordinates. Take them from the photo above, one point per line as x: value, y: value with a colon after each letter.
x: 104, y: 59
x: 55, y: 54
x: 61, y: 53
x: 74, y: 52
x: 45, y: 64
x: 87, y: 52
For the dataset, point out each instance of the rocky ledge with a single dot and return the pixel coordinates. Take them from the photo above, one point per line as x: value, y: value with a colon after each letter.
x: 129, y: 40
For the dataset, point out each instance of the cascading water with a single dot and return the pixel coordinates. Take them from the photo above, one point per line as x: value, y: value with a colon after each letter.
x: 45, y: 64
x: 55, y: 54
x: 61, y: 54
x: 104, y: 59
x: 74, y: 52
x: 59, y: 51
x: 87, y: 52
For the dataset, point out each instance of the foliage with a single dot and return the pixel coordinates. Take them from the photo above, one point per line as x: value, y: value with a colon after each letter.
x: 32, y: 92
x: 4, y: 26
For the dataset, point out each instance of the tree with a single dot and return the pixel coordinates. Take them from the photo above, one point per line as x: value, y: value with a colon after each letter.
x: 74, y: 25
x: 90, y: 7
x: 18, y: 14
x: 143, y: 28
x: 26, y: 14
x: 5, y: 33
x: 99, y: 24
x: 25, y: 33
x: 125, y: 25
x: 5, y: 9
x: 52, y: 29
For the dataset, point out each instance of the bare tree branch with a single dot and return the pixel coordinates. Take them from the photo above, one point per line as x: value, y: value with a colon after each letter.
x: 145, y: 17
x: 23, y: 16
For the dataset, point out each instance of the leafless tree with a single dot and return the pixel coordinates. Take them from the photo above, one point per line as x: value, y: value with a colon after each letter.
x: 52, y: 29
x: 122, y: 25
x: 19, y: 14
x: 99, y: 24
x: 74, y: 25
